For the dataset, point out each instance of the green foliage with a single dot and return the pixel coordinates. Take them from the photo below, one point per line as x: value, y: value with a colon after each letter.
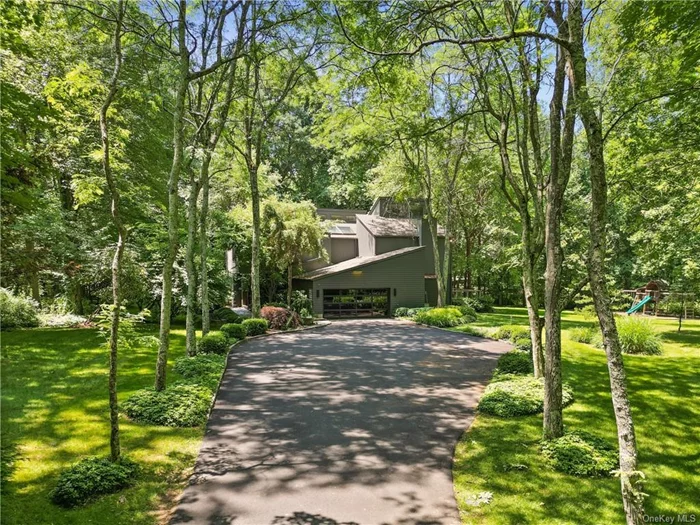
x: 440, y: 317
x: 582, y: 334
x: 255, y: 326
x: 468, y: 312
x: 180, y: 405
x: 226, y: 315
x: 213, y: 343
x: 483, y: 304
x: 301, y: 301
x: 17, y: 311
x: 233, y: 331
x: 637, y: 335
x: 512, y: 333
x: 401, y: 311
x: 412, y: 312
x: 517, y: 397
x: 515, y: 362
x: 91, y: 478
x: 523, y: 344
x: 581, y: 454
x: 201, y: 369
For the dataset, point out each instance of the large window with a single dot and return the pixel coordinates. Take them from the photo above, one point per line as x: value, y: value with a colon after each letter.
x: 356, y: 302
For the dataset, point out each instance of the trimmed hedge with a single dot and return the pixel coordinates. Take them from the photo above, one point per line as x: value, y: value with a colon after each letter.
x: 515, y: 362
x: 255, y: 326
x: 90, y: 478
x: 233, y: 331
x: 201, y: 369
x: 581, y: 454
x: 213, y: 343
x: 181, y: 405
x: 440, y: 317
x: 517, y: 396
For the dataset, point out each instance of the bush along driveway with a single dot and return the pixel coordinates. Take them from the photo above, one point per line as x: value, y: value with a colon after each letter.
x: 352, y: 423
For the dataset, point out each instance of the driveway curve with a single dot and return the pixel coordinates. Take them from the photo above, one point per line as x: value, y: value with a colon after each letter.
x: 352, y: 423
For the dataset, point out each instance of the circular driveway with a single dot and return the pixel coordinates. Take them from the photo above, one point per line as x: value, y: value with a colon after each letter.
x: 352, y: 423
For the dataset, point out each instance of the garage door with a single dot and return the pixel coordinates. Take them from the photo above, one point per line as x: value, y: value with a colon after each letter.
x: 358, y: 302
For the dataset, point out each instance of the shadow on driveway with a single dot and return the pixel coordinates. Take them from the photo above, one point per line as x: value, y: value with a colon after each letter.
x: 354, y: 423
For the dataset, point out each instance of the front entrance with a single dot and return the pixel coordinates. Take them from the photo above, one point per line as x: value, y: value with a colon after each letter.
x: 356, y: 302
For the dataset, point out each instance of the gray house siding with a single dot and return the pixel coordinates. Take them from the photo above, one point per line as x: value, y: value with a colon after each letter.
x: 403, y: 274
x: 389, y: 244
x: 342, y: 249
x: 365, y: 241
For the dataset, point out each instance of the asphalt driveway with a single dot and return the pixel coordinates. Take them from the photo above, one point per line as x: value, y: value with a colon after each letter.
x: 353, y: 423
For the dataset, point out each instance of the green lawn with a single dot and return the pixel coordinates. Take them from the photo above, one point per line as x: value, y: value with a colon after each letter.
x: 55, y: 412
x: 665, y: 396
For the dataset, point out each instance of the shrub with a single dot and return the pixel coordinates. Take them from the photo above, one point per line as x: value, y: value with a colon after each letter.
x: 637, y: 336
x: 226, y: 315
x: 468, y: 313
x: 401, y: 311
x: 514, y: 362
x: 440, y: 317
x: 278, y: 317
x: 202, y: 369
x: 582, y: 334
x: 255, y: 326
x: 517, y: 396
x: 523, y: 344
x: 181, y: 405
x: 213, y: 343
x: 306, y: 318
x: 483, y: 304
x: 472, y: 330
x: 17, y: 311
x: 301, y: 301
x: 293, y: 321
x: 234, y: 332
x: 54, y: 320
x: 512, y: 333
x: 90, y: 478
x: 581, y: 454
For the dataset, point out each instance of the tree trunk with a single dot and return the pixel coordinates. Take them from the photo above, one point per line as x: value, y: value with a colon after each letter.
x: 290, y: 275
x: 114, y: 446
x: 432, y: 225
x: 532, y: 302
x: 173, y: 199
x: 255, y: 248
x: 204, y: 253
x: 190, y: 329
x: 630, y: 477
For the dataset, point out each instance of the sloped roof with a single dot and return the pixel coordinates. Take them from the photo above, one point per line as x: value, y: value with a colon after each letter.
x: 386, y: 227
x: 380, y: 226
x: 357, y: 262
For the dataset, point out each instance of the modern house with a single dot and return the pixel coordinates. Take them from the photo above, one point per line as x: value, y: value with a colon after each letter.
x: 377, y: 262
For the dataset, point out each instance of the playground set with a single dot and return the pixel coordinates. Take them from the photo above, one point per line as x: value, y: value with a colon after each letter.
x: 656, y: 297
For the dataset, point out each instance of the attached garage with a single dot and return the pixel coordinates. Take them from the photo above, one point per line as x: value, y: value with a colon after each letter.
x: 367, y: 286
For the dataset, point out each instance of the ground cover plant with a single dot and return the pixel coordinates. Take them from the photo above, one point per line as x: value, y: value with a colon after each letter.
x: 503, y: 455
x: 515, y: 362
x: 233, y: 331
x: 440, y: 317
x: 179, y: 405
x: 581, y: 454
x: 201, y: 369
x: 91, y: 478
x: 517, y: 396
x: 54, y: 414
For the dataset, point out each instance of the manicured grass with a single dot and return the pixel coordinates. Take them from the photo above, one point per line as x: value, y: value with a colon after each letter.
x: 664, y: 392
x: 55, y: 412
